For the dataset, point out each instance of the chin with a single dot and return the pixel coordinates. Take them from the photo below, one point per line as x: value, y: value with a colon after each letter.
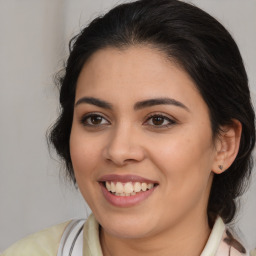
x: 127, y: 226
x: 128, y: 231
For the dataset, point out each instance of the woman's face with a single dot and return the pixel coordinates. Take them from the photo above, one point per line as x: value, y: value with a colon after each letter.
x: 140, y: 124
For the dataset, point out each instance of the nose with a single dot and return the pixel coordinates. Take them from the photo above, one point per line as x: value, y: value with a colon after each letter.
x: 123, y: 147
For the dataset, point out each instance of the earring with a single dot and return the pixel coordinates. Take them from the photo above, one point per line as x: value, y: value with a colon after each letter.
x: 221, y: 167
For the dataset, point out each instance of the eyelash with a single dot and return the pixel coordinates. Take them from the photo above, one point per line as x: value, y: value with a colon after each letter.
x: 87, y: 116
x: 84, y: 120
x: 165, y: 118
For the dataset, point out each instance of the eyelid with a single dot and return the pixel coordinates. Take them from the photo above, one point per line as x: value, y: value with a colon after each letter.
x: 172, y: 120
x: 90, y: 114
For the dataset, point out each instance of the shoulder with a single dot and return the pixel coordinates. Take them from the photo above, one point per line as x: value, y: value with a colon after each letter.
x: 222, y: 243
x: 253, y: 252
x: 43, y: 243
x: 231, y: 246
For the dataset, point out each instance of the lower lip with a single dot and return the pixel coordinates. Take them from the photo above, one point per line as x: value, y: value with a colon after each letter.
x: 126, y: 201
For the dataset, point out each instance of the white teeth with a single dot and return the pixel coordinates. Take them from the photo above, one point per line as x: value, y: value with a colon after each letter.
x: 137, y: 187
x: 113, y: 187
x: 151, y: 185
x: 119, y: 187
x: 128, y: 188
x: 144, y: 186
x: 108, y: 186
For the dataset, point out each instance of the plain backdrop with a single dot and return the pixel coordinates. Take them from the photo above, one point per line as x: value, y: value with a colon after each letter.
x: 33, y: 45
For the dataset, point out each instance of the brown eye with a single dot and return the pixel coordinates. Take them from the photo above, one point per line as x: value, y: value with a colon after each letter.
x: 158, y: 120
x: 94, y: 120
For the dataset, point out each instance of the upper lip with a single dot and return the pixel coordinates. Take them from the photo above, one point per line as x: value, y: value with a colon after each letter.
x: 125, y: 178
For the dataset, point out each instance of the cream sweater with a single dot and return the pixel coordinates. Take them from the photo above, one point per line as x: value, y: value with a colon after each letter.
x: 46, y: 242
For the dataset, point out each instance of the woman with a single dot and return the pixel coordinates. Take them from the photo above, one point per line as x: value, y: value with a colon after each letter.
x: 156, y: 129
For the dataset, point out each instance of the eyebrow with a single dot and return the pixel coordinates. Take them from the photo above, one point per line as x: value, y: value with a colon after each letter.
x: 138, y: 105
x: 159, y: 101
x: 94, y: 101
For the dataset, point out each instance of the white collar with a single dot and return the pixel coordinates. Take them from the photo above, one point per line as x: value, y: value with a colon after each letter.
x: 92, y: 243
x: 214, y: 239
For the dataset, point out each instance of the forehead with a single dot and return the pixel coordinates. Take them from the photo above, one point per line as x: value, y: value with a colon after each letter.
x: 137, y: 72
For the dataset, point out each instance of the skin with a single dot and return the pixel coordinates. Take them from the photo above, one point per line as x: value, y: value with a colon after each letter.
x: 181, y: 157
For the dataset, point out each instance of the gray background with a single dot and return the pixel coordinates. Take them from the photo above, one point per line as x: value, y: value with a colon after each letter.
x: 33, y: 40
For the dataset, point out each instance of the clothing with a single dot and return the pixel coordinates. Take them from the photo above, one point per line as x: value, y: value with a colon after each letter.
x: 47, y: 242
x: 43, y: 243
x: 253, y: 252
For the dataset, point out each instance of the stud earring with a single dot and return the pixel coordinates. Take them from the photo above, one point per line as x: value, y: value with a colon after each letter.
x: 221, y: 167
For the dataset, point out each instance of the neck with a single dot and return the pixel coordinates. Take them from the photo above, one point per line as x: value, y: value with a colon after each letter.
x: 186, y: 238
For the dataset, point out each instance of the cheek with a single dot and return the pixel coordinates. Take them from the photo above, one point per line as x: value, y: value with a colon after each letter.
x: 84, y: 154
x: 85, y: 157
x: 185, y: 159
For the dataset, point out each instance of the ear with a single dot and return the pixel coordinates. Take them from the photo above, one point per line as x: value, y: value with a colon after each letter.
x: 227, y: 146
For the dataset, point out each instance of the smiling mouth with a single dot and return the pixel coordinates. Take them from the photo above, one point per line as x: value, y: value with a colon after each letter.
x: 127, y: 188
